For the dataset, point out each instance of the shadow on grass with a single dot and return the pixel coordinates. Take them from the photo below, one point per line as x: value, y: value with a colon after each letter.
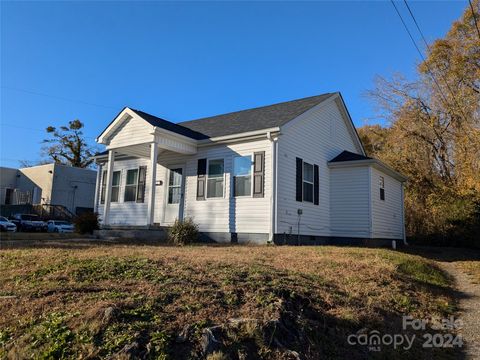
x: 447, y: 254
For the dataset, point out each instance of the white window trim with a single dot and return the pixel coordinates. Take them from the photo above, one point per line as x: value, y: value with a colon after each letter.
x: 181, y: 186
x: 381, y: 185
x: 136, y: 185
x: 306, y: 181
x: 119, y: 198
x: 232, y: 182
x: 208, y: 176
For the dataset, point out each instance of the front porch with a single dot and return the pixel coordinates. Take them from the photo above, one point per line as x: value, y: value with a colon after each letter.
x: 131, y: 137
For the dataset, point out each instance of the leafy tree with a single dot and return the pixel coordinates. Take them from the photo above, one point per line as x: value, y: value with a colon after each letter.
x: 68, y: 146
x: 433, y: 136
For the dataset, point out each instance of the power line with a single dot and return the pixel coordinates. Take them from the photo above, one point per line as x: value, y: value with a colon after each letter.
x: 474, y: 18
x: 419, y: 52
x: 430, y: 51
x: 58, y: 97
x: 33, y: 129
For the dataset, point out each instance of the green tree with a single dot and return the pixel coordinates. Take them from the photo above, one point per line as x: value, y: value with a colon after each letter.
x: 67, y: 145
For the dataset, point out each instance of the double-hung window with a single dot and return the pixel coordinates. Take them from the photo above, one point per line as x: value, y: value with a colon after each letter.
x: 307, y: 182
x: 242, y: 176
x: 381, y: 184
x: 131, y: 185
x: 215, y: 178
x: 115, y: 186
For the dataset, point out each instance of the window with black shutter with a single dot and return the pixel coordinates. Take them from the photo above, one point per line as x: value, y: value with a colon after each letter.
x: 201, y: 177
x: 307, y: 182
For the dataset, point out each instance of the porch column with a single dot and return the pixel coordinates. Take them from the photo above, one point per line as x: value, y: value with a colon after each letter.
x: 98, y: 187
x: 153, y: 180
x: 108, y: 188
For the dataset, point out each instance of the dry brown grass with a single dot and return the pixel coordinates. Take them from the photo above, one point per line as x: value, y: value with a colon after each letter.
x: 323, y: 293
x: 471, y: 268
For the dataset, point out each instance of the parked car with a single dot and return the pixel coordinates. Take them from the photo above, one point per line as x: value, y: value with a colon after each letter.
x: 7, y: 225
x: 59, y: 226
x: 28, y: 222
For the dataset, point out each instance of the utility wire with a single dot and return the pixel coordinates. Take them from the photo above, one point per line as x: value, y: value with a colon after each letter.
x: 430, y: 51
x: 58, y: 97
x: 419, y: 52
x: 33, y: 129
x: 474, y: 18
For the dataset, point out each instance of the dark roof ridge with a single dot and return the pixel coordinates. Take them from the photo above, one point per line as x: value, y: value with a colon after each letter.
x: 256, y: 108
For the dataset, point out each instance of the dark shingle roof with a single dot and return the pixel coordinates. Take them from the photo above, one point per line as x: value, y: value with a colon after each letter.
x: 259, y: 118
x: 167, y: 125
x: 253, y: 119
x: 349, y: 156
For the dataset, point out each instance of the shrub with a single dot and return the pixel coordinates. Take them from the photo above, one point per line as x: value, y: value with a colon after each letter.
x: 183, y: 232
x: 86, y: 223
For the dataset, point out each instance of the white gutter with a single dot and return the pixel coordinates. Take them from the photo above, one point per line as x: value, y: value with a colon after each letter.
x: 273, y: 186
x: 238, y: 136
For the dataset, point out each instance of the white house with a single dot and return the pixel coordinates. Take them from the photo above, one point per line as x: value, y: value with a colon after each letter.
x: 289, y: 172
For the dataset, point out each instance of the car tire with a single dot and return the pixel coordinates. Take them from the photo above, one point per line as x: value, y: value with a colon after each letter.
x: 55, y: 230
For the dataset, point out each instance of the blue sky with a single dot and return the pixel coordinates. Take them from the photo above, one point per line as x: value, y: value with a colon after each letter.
x: 184, y: 60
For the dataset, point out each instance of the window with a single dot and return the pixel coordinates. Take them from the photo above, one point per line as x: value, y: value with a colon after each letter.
x: 307, y: 182
x: 242, y: 176
x: 381, y: 183
x: 115, y: 186
x: 175, y: 186
x: 215, y: 178
x: 142, y: 177
x: 131, y: 185
x: 104, y: 185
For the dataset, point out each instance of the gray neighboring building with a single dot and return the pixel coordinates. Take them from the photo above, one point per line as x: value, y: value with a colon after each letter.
x: 50, y: 184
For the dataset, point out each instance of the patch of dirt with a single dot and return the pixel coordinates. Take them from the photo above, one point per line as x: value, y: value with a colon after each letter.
x: 468, y: 297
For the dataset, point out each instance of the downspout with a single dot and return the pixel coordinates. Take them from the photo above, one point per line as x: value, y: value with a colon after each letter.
x: 273, y: 192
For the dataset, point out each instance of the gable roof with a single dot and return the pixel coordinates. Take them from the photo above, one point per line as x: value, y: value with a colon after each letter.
x: 238, y: 122
x: 264, y: 117
x: 167, y: 125
x: 349, y: 159
x: 349, y: 156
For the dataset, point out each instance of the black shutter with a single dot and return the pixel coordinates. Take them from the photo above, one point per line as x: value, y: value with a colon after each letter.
x: 201, y: 177
x: 142, y: 179
x: 299, y: 179
x: 258, y: 174
x: 316, y: 190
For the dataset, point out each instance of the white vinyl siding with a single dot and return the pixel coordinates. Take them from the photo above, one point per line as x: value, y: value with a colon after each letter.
x: 130, y: 212
x: 349, y: 202
x: 225, y: 214
x: 386, y: 214
x: 229, y: 214
x: 133, y: 131
x: 317, y: 137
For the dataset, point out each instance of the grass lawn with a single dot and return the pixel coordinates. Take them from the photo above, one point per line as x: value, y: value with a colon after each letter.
x: 268, y: 302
